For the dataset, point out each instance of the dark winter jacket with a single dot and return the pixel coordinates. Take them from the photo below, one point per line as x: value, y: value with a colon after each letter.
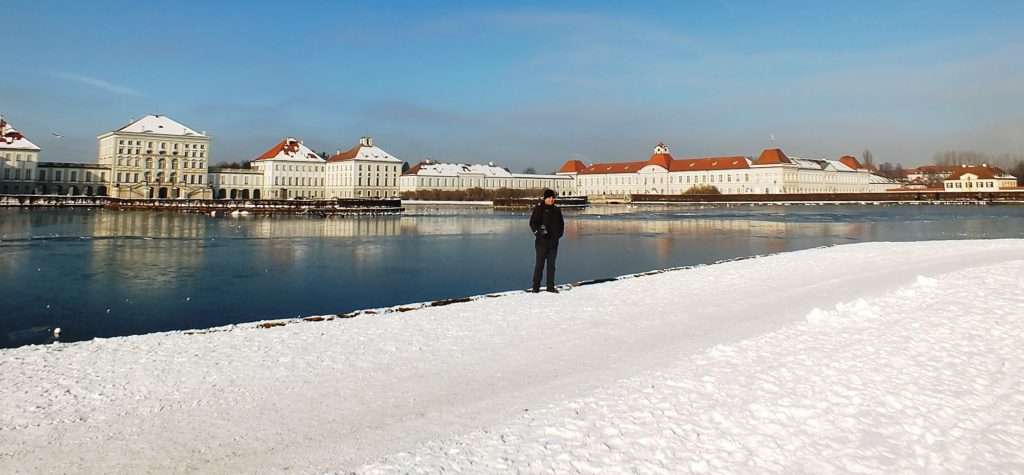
x: 547, y: 224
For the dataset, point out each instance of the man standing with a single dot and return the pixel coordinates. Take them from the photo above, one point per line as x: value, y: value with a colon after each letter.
x: 547, y: 225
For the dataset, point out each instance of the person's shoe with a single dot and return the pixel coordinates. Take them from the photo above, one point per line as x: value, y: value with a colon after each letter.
x: 535, y: 290
x: 552, y: 290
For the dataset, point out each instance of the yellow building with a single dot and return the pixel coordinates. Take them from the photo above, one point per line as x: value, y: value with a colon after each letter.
x: 156, y: 157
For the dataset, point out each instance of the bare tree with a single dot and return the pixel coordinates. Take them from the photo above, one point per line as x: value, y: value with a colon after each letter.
x: 869, y: 159
x: 1018, y: 171
x: 972, y: 157
x: 530, y: 171
x: 232, y: 165
x: 894, y: 171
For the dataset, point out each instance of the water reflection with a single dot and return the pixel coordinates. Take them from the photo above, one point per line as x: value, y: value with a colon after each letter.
x: 104, y: 273
x: 140, y: 250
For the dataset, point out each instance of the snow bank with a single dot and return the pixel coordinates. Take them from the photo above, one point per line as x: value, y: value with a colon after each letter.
x: 912, y: 362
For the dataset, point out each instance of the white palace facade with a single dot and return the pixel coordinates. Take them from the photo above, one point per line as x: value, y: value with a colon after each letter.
x: 157, y: 157
x: 291, y: 170
x: 363, y: 171
x: 772, y: 172
x: 19, y: 159
x: 429, y: 175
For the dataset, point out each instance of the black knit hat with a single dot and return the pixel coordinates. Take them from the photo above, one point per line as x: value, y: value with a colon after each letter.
x: 549, y: 193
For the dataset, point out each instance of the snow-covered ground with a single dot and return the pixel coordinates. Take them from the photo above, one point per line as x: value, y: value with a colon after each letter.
x: 864, y: 358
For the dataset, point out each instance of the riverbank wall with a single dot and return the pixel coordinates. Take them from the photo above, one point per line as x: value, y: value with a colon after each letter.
x: 323, y: 207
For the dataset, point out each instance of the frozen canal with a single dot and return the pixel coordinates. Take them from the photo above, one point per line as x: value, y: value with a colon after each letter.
x: 106, y: 273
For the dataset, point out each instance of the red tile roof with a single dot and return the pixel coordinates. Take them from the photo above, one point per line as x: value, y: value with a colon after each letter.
x: 621, y: 167
x: 292, y: 145
x: 347, y: 155
x: 663, y: 160
x: 709, y: 163
x: 413, y: 169
x: 851, y: 162
x: 772, y: 156
x: 572, y: 166
x: 675, y: 165
x: 983, y: 172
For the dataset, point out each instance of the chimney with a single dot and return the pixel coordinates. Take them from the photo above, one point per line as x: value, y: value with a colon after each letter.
x: 366, y: 141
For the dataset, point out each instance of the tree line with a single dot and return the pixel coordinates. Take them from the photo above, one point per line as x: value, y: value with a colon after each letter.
x: 1012, y: 163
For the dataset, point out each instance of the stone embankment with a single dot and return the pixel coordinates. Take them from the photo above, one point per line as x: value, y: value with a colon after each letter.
x: 322, y: 207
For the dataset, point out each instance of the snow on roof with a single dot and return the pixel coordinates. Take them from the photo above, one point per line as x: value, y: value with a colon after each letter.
x: 291, y: 149
x: 364, y: 151
x: 876, y: 179
x: 456, y: 169
x: 12, y: 139
x: 159, y: 124
x: 809, y: 163
x: 840, y: 166
x: 821, y: 164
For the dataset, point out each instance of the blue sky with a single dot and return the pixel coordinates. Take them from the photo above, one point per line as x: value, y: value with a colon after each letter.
x: 524, y: 84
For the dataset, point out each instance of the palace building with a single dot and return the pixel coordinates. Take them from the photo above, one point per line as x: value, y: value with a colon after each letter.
x: 156, y: 157
x: 431, y: 175
x: 772, y: 172
x: 290, y: 169
x: 363, y: 171
x: 979, y: 178
x: 19, y: 159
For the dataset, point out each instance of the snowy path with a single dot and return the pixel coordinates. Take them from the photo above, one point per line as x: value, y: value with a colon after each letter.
x: 875, y: 357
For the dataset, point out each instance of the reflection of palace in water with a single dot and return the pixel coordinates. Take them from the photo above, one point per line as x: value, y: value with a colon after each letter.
x: 147, y: 249
x: 668, y: 234
x: 331, y: 227
x: 152, y: 248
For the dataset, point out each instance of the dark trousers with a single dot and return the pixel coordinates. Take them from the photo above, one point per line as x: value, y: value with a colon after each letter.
x: 545, y: 252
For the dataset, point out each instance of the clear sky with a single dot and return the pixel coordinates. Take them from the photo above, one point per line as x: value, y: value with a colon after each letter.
x: 524, y: 84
